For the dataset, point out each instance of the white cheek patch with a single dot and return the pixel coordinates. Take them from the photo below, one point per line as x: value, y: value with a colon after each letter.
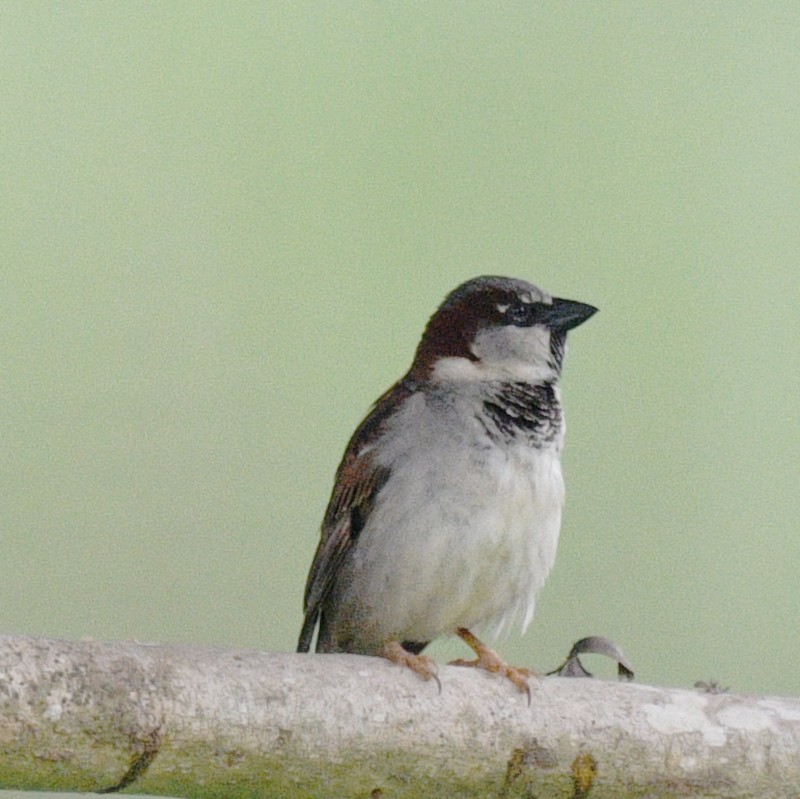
x: 463, y: 370
x: 457, y: 369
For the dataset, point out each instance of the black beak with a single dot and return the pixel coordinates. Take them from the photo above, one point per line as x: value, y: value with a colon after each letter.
x: 563, y: 315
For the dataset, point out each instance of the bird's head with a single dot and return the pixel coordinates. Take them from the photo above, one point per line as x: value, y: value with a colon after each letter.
x: 497, y: 328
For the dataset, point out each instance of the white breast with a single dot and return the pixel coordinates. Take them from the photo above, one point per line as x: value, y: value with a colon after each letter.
x: 465, y: 531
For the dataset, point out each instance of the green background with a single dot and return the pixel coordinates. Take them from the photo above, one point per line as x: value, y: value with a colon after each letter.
x: 224, y: 225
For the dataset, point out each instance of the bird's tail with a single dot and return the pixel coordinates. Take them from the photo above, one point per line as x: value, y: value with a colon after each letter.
x: 307, y: 633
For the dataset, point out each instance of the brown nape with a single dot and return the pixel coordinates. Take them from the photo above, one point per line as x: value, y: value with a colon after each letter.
x: 490, y: 661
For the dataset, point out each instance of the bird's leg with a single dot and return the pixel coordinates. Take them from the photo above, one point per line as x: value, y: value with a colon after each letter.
x: 420, y: 664
x: 490, y: 661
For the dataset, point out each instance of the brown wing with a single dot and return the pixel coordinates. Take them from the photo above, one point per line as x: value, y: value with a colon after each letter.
x: 358, y: 481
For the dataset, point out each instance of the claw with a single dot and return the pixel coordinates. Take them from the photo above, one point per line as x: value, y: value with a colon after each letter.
x: 490, y: 661
x: 420, y: 664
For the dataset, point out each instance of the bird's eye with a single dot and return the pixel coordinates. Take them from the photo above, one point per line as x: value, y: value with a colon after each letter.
x: 519, y: 313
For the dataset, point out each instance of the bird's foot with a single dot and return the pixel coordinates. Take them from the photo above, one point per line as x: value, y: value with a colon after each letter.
x: 419, y: 664
x: 490, y: 661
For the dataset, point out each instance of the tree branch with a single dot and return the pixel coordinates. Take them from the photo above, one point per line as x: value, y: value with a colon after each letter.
x: 200, y: 722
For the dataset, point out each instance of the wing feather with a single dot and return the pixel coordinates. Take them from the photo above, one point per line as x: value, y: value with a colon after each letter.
x: 358, y: 482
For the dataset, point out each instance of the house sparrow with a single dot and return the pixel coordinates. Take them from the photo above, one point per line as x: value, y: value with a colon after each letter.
x: 446, y: 507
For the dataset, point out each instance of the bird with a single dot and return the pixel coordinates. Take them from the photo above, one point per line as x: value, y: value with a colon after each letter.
x: 446, y: 507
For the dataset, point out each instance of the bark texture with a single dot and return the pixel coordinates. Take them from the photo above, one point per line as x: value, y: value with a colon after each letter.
x: 194, y: 721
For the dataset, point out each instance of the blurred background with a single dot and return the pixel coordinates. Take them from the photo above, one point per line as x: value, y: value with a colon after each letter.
x: 224, y: 226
